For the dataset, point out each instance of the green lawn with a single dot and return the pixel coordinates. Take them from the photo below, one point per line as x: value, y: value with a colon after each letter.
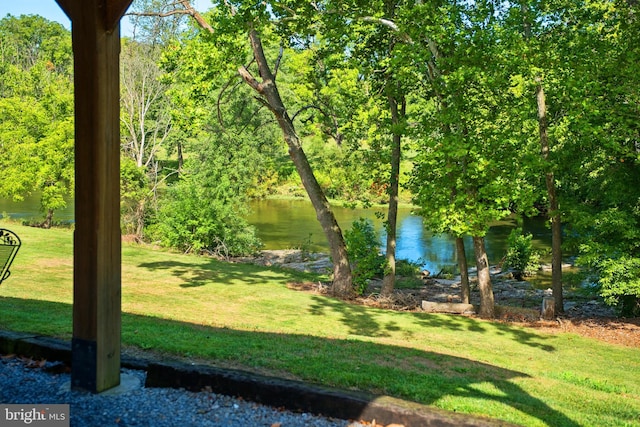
x: 246, y: 316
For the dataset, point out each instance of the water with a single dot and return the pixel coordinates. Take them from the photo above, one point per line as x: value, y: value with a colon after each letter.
x: 29, y: 209
x: 283, y: 224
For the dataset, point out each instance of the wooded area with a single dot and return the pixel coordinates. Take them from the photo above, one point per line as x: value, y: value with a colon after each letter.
x: 473, y: 111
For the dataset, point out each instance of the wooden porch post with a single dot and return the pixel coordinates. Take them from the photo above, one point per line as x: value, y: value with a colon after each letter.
x: 97, y: 258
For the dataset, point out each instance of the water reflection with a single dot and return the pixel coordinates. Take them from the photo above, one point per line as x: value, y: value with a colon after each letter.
x: 29, y: 209
x: 284, y: 224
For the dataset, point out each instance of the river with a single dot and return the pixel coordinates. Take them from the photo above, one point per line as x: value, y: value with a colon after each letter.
x: 282, y: 224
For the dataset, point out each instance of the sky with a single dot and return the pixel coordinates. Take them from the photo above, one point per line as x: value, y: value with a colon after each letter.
x: 50, y: 10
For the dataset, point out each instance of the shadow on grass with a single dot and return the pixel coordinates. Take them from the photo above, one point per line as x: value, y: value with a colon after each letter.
x: 421, y: 376
x: 213, y: 271
x: 357, y: 318
x: 361, y: 321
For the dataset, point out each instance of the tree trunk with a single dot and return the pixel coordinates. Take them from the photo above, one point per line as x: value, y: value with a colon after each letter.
x: 554, y: 211
x: 556, y: 258
x: 554, y: 208
x: 487, y: 306
x: 140, y: 214
x: 180, y: 157
x: 397, y: 114
x: 48, y: 219
x: 465, y: 291
x: 342, y: 278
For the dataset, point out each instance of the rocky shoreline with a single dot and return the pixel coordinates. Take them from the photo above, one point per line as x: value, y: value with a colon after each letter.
x: 508, y: 292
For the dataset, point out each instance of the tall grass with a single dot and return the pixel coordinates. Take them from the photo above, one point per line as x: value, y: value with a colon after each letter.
x: 250, y: 317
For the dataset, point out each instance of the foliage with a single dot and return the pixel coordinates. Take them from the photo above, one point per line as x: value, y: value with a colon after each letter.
x: 364, y: 253
x: 407, y: 268
x: 620, y: 284
x: 447, y: 271
x: 408, y: 275
x: 204, y: 211
x: 521, y: 257
x: 36, y: 112
x: 467, y: 70
x: 194, y: 218
x: 134, y: 195
x: 209, y: 104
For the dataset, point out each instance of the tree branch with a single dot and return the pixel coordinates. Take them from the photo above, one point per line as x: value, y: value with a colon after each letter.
x: 194, y: 13
x: 278, y: 60
x: 188, y: 10
x: 249, y: 79
x: 160, y: 14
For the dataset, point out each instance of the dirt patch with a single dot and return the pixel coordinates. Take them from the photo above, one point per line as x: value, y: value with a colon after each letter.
x: 624, y: 332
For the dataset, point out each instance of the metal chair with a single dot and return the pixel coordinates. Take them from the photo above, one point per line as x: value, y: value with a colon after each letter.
x: 9, y: 245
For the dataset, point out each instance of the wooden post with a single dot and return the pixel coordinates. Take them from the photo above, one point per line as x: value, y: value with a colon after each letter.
x: 97, y: 247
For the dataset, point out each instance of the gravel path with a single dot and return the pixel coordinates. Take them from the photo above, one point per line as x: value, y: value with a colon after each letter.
x: 28, y: 382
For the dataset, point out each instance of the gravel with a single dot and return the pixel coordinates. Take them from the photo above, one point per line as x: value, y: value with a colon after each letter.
x: 30, y: 382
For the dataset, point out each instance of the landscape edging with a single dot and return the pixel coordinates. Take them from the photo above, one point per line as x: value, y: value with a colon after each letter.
x: 292, y: 395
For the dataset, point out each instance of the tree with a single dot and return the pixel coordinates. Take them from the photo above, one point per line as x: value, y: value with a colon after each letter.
x: 252, y: 20
x: 459, y: 181
x: 369, y: 39
x: 145, y: 112
x: 536, y: 56
x: 145, y: 115
x: 598, y: 135
x: 36, y: 112
x: 342, y: 278
x: 216, y: 227
x: 578, y: 56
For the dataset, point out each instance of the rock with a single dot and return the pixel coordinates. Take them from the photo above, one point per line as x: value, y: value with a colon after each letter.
x: 293, y: 259
x: 448, y: 307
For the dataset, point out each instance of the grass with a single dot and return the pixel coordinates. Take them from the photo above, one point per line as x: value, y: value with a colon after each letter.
x: 248, y: 317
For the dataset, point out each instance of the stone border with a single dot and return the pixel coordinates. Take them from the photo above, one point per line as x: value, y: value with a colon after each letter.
x: 288, y: 394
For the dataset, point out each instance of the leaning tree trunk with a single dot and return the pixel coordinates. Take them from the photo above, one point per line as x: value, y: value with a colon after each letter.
x: 465, y: 291
x: 554, y: 211
x: 487, y: 305
x: 397, y: 113
x: 342, y: 278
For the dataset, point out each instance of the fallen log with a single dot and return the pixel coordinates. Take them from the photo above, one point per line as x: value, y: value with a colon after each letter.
x: 448, y: 307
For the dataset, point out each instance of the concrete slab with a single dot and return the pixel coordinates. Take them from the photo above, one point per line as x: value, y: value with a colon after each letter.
x: 128, y: 383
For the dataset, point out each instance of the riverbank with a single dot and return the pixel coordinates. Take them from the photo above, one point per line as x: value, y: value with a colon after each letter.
x: 516, y: 301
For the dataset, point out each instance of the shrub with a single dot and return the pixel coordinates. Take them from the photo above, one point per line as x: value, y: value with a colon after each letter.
x: 193, y: 219
x: 620, y: 284
x: 521, y: 256
x: 363, y: 249
x: 406, y: 268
